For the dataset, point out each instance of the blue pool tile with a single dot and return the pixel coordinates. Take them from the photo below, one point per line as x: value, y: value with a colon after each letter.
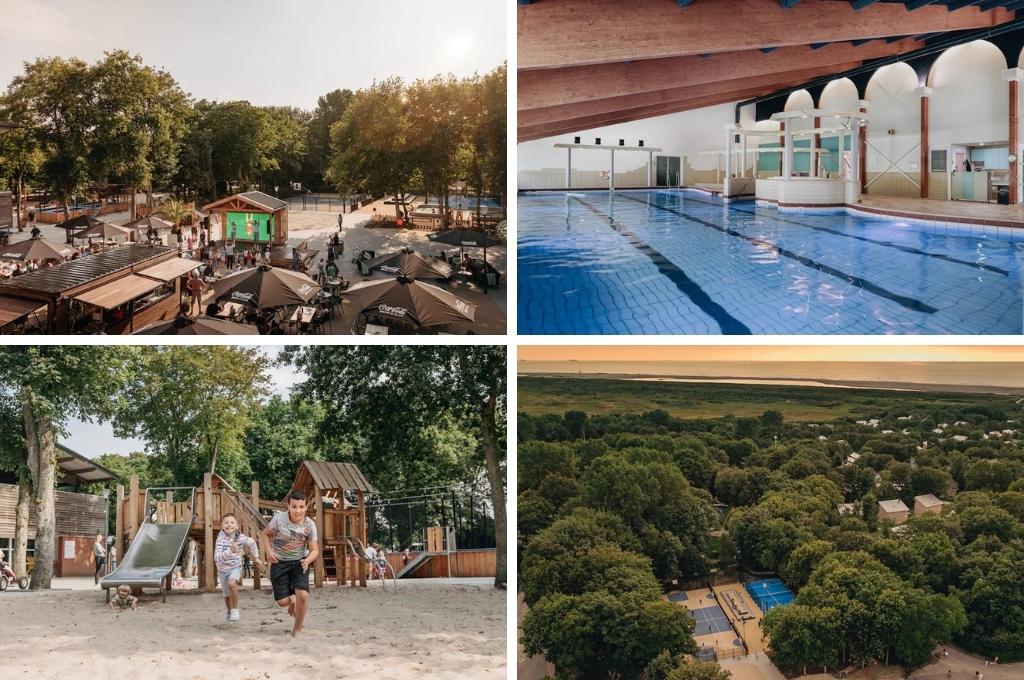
x: 600, y: 263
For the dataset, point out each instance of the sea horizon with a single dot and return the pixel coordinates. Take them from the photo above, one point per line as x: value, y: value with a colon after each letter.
x: 986, y: 376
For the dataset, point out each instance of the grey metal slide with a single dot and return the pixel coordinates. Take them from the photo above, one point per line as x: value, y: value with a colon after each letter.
x: 153, y: 555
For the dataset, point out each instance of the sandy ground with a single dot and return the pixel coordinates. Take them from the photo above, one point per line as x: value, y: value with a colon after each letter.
x: 427, y: 629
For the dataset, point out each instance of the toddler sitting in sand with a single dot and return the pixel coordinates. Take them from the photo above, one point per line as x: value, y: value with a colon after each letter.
x: 124, y: 599
x: 231, y: 545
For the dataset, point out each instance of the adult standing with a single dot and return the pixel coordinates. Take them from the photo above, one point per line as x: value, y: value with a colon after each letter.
x: 195, y: 289
x: 99, y: 553
x: 229, y: 254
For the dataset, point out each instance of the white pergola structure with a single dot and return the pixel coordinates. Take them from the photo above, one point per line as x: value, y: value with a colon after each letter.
x: 787, y: 189
x: 756, y: 151
x: 611, y: 149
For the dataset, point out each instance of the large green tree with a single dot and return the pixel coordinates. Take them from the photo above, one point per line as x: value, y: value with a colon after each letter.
x: 192, y: 404
x: 54, y: 98
x: 391, y: 394
x: 52, y: 384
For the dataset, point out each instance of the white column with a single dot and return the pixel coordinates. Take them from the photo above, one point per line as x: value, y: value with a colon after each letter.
x: 787, y: 151
x: 743, y: 155
x: 568, y: 168
x: 611, y: 175
x: 728, y: 155
x: 853, y: 189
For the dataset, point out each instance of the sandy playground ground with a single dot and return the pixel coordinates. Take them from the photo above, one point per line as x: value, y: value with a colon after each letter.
x: 428, y: 629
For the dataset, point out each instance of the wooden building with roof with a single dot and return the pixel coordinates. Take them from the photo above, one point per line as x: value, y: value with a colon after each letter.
x: 251, y: 217
x: 79, y: 516
x: 336, y: 497
x: 113, y: 292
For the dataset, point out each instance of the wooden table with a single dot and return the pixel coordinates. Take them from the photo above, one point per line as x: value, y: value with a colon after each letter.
x: 232, y: 310
x: 303, y: 315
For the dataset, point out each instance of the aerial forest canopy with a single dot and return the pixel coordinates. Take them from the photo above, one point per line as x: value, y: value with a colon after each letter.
x: 617, y: 505
x: 214, y: 409
x: 119, y: 122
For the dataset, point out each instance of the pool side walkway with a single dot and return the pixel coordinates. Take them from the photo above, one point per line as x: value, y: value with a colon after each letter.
x: 952, y: 211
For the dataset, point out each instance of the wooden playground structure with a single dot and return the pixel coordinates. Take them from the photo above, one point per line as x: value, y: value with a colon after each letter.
x: 336, y: 501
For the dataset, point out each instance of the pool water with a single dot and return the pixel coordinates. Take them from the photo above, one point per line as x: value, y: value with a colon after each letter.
x: 679, y: 261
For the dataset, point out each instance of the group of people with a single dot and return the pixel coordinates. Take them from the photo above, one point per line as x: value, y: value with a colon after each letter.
x: 10, y: 269
x: 228, y: 254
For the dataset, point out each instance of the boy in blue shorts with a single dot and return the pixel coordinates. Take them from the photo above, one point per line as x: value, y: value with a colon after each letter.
x: 291, y: 544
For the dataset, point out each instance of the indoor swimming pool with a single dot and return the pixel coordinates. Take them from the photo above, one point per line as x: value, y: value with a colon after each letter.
x: 681, y: 261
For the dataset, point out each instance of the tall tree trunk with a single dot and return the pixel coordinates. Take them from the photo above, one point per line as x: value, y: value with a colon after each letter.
x: 18, y: 193
x: 213, y: 451
x: 19, y: 562
x: 42, y: 460
x: 489, y: 437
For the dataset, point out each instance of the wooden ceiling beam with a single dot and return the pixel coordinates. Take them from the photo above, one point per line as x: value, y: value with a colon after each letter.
x: 763, y: 84
x: 583, y: 123
x: 555, y: 87
x: 576, y: 32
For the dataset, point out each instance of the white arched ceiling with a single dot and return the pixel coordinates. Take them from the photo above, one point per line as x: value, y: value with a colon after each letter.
x: 800, y: 100
x: 970, y: 98
x: 894, y: 119
x: 839, y: 95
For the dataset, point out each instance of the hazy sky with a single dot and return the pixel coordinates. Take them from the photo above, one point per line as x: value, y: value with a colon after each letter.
x: 93, y: 439
x: 285, y: 53
x: 906, y: 353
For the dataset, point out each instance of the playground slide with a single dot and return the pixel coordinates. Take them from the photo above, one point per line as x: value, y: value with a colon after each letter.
x: 153, y: 554
x: 416, y: 563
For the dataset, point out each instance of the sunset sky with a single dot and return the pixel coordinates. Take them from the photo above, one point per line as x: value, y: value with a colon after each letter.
x: 904, y: 353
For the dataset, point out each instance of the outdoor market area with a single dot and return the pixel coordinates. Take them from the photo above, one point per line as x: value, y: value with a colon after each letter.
x: 253, y: 264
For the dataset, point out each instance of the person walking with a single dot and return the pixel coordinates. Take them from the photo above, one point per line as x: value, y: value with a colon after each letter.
x: 99, y: 553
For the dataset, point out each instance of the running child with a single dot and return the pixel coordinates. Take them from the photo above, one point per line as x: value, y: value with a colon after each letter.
x: 227, y: 555
x: 291, y: 545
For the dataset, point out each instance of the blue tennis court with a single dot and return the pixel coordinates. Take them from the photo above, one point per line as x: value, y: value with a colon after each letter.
x: 710, y: 620
x: 769, y: 592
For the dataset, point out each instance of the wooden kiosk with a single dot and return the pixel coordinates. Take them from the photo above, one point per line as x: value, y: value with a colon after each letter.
x: 336, y: 494
x: 251, y: 217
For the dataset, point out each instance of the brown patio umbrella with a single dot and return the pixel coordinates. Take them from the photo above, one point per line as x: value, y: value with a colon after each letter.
x: 106, y: 231
x: 144, y: 223
x: 408, y: 301
x: 467, y: 238
x: 200, y: 325
x: 77, y: 224
x: 266, y: 287
x: 407, y: 263
x: 35, y: 249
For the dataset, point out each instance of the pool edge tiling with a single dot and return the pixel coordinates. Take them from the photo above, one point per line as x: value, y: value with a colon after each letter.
x: 634, y: 262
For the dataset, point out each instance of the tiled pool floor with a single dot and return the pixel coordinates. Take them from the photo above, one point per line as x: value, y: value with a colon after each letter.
x: 665, y: 262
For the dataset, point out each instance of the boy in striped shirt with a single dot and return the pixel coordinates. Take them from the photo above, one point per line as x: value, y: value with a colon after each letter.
x: 227, y: 555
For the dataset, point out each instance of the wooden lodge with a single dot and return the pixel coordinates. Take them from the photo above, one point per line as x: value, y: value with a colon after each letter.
x: 114, y: 292
x: 79, y: 516
x: 251, y: 217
